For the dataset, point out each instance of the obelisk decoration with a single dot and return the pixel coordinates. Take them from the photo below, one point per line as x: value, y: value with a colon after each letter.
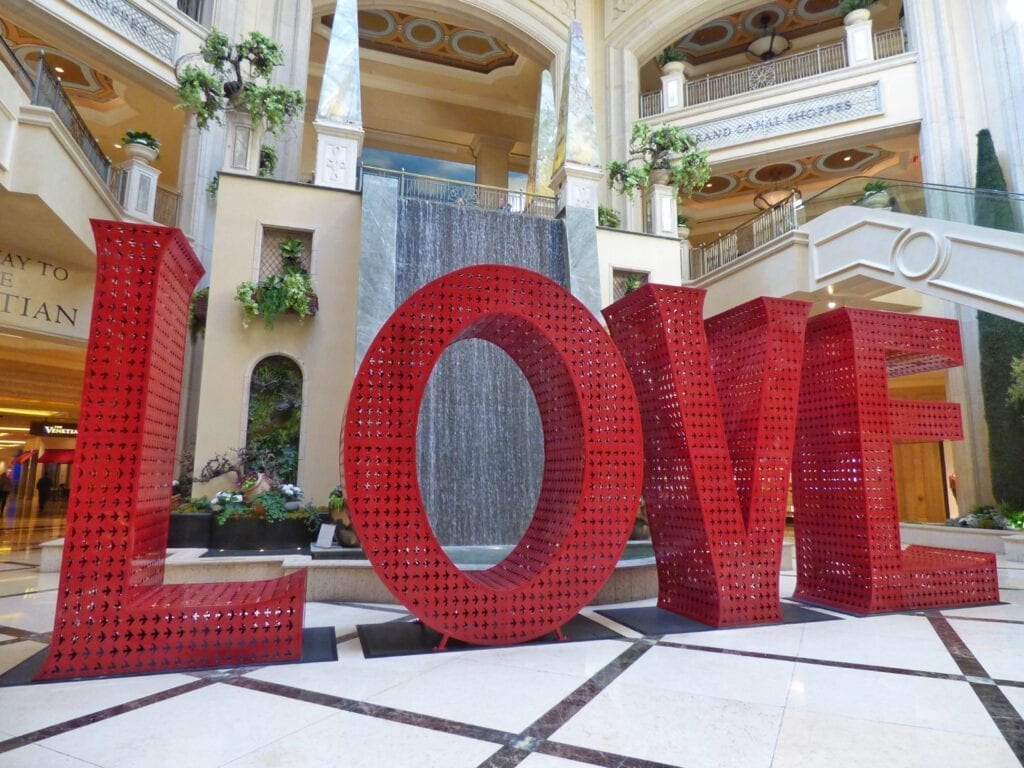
x: 339, y: 117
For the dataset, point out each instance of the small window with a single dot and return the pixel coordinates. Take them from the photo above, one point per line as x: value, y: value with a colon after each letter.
x: 272, y: 261
x: 626, y: 281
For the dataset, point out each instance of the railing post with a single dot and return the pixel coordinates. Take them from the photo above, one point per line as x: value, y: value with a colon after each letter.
x: 39, y: 79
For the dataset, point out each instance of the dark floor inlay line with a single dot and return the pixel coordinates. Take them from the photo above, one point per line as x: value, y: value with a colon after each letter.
x: 984, y: 619
x: 95, y: 717
x: 1003, y: 713
x: 405, y: 717
x: 815, y: 662
x: 559, y: 715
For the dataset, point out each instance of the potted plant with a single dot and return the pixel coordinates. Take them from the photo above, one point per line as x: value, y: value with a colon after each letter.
x: 338, y: 509
x: 268, y: 161
x: 608, y: 217
x: 663, y: 155
x: 290, y: 291
x: 682, y: 227
x: 238, y: 75
x: 670, y: 60
x: 876, y: 195
x: 189, y: 524
x: 854, y: 11
x: 141, y: 144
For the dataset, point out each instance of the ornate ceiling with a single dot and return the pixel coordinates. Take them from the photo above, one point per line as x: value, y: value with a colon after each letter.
x: 793, y: 173
x: 430, y: 40
x: 85, y: 85
x: 728, y: 35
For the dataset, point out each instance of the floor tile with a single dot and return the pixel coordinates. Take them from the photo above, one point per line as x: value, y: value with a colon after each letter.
x: 675, y: 728
x: 28, y: 708
x: 33, y: 613
x: 12, y: 654
x: 1011, y: 609
x: 895, y: 641
x: 996, y: 646
x: 1015, y: 696
x: 582, y: 659
x: 780, y: 639
x: 200, y: 729
x: 755, y: 681
x: 351, y: 676
x: 469, y: 688
x: 811, y: 740
x: 945, y: 705
x: 353, y: 741
x: 34, y: 756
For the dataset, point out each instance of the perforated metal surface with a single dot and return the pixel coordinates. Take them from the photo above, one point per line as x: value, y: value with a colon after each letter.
x: 114, y: 614
x: 718, y: 403
x: 592, y: 460
x: 847, y: 525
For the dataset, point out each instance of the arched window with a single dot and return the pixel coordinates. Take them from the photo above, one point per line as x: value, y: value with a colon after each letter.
x: 275, y: 415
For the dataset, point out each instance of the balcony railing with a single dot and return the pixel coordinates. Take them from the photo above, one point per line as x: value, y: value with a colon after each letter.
x: 165, y: 211
x: 48, y: 92
x: 17, y: 69
x: 462, y: 193
x: 821, y: 60
x: 777, y: 220
x: 890, y: 42
x: 980, y: 207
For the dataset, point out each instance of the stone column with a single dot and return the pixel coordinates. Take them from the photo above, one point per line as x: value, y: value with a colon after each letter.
x: 578, y: 173
x: 860, y: 48
x: 292, y: 24
x: 662, y: 213
x: 339, y: 119
x: 244, y: 139
x: 491, y: 153
x: 673, y: 84
x: 137, y: 191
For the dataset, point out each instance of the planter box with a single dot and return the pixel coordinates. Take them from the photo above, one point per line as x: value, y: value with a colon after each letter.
x: 950, y: 537
x: 190, y: 530
x: 252, y: 533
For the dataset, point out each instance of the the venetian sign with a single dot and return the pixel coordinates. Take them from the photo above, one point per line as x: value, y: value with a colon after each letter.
x: 52, y: 429
x: 796, y: 116
x: 43, y: 295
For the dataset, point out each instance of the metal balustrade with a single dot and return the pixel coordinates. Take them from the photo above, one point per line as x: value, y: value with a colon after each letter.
x: 821, y: 60
x: 16, y: 68
x: 48, y: 92
x: 751, y: 234
x: 890, y: 42
x: 980, y: 207
x: 165, y: 210
x: 463, y: 193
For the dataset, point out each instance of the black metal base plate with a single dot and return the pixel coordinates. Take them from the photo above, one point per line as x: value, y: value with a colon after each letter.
x: 651, y: 620
x: 407, y: 638
x: 318, y: 644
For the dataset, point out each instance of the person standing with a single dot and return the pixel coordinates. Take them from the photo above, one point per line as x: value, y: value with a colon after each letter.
x: 43, y: 486
x: 5, y: 490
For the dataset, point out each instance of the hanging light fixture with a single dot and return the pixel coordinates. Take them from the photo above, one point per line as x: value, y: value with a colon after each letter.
x: 770, y: 44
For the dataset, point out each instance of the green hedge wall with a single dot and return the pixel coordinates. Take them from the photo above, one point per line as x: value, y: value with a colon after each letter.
x: 999, y: 341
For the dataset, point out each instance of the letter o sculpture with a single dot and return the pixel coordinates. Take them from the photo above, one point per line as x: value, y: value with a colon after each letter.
x: 593, y: 455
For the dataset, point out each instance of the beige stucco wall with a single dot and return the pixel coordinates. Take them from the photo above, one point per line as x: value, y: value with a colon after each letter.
x: 323, y: 346
x: 619, y: 249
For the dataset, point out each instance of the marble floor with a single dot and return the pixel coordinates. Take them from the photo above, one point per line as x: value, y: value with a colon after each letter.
x: 937, y: 688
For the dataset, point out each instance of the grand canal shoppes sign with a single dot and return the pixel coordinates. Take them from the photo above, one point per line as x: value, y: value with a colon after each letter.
x: 709, y: 419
